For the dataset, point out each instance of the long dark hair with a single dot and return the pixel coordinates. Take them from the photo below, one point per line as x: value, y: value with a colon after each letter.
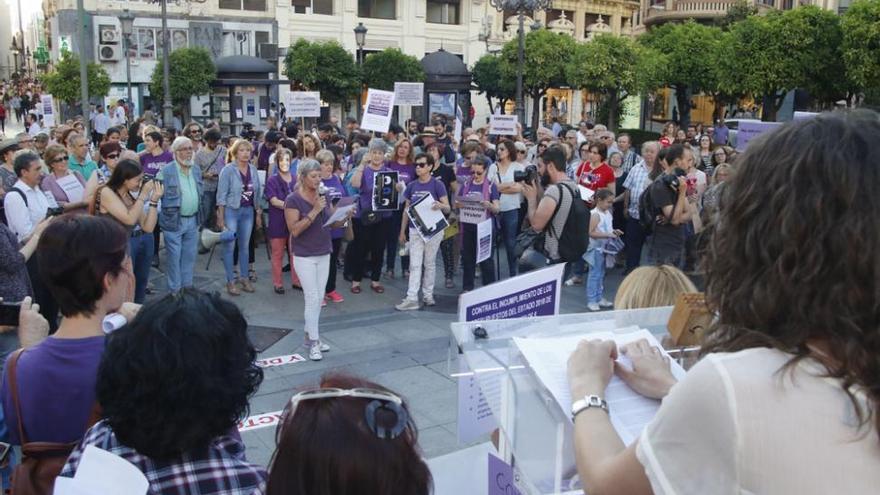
x: 125, y: 170
x: 657, y: 166
x: 794, y: 258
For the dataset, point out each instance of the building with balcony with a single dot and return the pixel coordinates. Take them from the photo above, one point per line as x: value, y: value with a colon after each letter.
x: 655, y: 12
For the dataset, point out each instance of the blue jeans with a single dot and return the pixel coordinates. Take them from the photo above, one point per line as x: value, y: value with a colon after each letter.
x: 596, y: 276
x: 509, y: 230
x: 181, y: 247
x: 140, y: 247
x: 241, y: 223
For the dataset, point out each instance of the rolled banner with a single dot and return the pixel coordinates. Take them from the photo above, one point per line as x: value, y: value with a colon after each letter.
x: 113, y: 322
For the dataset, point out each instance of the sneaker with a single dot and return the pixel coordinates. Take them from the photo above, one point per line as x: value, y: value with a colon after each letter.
x: 604, y: 303
x: 429, y: 301
x: 324, y: 347
x: 246, y: 285
x: 575, y: 280
x: 323, y: 302
x: 593, y: 307
x: 279, y: 290
x: 232, y: 289
x: 407, y: 305
x: 315, y: 352
x: 334, y: 296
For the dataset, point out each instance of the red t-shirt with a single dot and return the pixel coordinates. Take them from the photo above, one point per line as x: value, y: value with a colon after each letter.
x: 595, y: 179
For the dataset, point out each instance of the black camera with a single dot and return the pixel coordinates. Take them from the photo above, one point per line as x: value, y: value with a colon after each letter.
x: 671, y: 179
x: 54, y: 212
x: 529, y: 175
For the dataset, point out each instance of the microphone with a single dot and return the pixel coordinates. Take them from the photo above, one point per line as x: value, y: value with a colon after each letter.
x: 322, y: 189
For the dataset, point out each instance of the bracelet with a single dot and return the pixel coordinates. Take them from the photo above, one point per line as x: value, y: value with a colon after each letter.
x: 154, y: 204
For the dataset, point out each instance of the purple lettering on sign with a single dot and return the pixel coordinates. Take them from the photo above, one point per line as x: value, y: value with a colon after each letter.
x: 539, y: 300
x: 501, y: 478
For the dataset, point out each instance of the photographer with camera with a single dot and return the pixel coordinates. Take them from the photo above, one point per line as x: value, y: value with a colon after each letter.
x: 667, y: 203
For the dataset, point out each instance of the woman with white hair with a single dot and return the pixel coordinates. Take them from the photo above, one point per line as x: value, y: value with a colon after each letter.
x: 306, y: 211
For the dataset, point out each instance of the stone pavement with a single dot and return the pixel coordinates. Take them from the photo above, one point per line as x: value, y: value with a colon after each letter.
x: 407, y: 352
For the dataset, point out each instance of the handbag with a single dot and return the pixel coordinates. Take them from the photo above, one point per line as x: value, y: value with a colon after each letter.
x: 41, y: 462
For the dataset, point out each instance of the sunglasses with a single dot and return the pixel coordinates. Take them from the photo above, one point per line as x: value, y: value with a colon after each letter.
x: 60, y: 159
x: 421, y: 164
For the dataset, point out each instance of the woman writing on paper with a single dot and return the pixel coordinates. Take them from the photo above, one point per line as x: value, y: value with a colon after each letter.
x: 422, y: 252
x: 790, y: 378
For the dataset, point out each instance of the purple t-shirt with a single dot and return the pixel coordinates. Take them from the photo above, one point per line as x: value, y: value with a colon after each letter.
x: 487, y: 189
x: 153, y: 164
x: 56, y: 389
x: 315, y: 240
x: 417, y: 189
x: 247, y: 189
x: 366, y: 191
x: 335, y: 190
x: 276, y: 187
x: 406, y: 174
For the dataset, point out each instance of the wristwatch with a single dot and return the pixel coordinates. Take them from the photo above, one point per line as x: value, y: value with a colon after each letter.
x: 587, y: 402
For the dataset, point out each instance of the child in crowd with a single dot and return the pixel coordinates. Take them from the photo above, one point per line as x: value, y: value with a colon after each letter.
x: 601, y: 230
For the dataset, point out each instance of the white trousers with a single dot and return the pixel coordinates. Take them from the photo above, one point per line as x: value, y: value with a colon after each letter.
x: 312, y: 272
x: 422, y: 264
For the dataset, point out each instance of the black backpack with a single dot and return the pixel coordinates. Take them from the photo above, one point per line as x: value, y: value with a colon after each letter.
x: 3, y: 207
x: 575, y: 238
x: 647, y: 211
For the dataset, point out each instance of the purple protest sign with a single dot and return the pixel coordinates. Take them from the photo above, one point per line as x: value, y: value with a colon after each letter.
x: 501, y: 478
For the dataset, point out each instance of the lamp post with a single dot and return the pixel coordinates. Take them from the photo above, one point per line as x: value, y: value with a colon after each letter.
x: 14, y: 50
x: 360, y: 38
x: 520, y: 7
x: 126, y: 21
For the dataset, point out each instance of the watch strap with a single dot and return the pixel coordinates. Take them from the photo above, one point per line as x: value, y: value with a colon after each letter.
x: 587, y: 402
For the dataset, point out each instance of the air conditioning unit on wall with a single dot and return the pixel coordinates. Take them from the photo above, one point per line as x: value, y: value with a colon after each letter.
x: 109, y: 53
x: 109, y: 35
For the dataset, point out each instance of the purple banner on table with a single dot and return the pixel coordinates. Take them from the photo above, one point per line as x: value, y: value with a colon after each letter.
x: 537, y: 300
x: 501, y: 480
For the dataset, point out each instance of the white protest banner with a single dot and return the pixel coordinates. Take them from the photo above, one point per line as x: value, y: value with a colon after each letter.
x: 458, y: 130
x: 536, y: 293
x: 258, y: 421
x: 378, y: 110
x: 303, y: 103
x: 484, y: 240
x: 409, y: 93
x: 503, y: 125
x: 749, y: 130
x: 48, y: 106
x: 279, y: 360
x: 472, y: 210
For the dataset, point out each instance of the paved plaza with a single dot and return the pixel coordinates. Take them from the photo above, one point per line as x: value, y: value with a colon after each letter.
x: 407, y: 352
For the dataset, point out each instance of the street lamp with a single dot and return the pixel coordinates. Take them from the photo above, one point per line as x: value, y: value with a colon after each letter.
x: 360, y: 39
x: 520, y: 7
x: 14, y: 50
x: 126, y: 21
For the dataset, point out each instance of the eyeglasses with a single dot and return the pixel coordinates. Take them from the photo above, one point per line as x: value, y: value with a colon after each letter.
x: 421, y: 164
x: 60, y: 159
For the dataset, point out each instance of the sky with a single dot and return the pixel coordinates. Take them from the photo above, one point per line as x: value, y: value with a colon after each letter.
x: 29, y: 8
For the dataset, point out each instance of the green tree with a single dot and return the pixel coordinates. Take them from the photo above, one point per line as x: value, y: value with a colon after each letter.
x: 323, y: 66
x: 690, y: 50
x: 616, y: 67
x: 190, y: 73
x: 64, y: 82
x: 815, y: 38
x: 861, y: 46
x: 381, y: 70
x: 546, y: 56
x: 735, y: 13
x: 489, y: 80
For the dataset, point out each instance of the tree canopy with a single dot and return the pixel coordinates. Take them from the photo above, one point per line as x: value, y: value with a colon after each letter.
x: 381, y: 70
x: 190, y: 73
x: 323, y: 66
x: 489, y: 79
x: 64, y: 82
x: 861, y: 44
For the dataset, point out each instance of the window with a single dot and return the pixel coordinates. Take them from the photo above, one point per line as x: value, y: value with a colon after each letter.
x: 254, y: 5
x: 322, y: 7
x: 236, y: 43
x: 443, y: 11
x: 377, y: 9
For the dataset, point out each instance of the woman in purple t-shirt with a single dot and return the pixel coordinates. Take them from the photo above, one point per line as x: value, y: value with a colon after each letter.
x: 402, y: 163
x: 278, y: 187
x: 334, y: 190
x: 480, y: 186
x: 422, y: 252
x: 306, y: 211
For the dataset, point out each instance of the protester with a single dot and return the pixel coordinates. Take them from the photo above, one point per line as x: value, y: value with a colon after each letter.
x: 238, y: 210
x: 478, y: 184
x: 278, y: 188
x: 334, y: 190
x: 66, y: 186
x: 402, y: 163
x: 652, y: 287
x: 595, y: 173
x: 667, y: 137
x: 711, y: 198
x: 307, y: 147
x: 705, y: 154
x: 79, y: 159
x: 210, y: 159
x: 601, y: 230
x: 506, y: 170
x: 792, y: 346
x: 155, y: 158
x: 446, y: 175
x: 100, y: 125
x: 637, y: 181
x: 15, y: 283
x: 423, y: 252
x: 374, y: 448
x: 195, y: 349
x: 179, y: 218
x: 139, y: 215
x: 371, y: 227
x: 306, y: 212
x: 671, y: 208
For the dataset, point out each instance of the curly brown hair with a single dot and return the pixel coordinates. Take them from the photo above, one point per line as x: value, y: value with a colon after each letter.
x: 794, y: 260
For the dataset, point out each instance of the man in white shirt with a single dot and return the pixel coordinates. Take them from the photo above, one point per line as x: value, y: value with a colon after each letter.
x: 118, y: 118
x: 102, y: 123
x: 33, y: 123
x: 25, y: 204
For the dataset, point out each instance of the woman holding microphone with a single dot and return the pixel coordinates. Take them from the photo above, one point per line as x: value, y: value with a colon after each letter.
x: 306, y: 212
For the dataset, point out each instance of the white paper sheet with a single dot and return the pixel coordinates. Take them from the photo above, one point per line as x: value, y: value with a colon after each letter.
x: 422, y: 212
x: 484, y: 240
x: 71, y: 187
x: 340, y: 214
x: 100, y: 472
x: 586, y: 193
x: 629, y: 411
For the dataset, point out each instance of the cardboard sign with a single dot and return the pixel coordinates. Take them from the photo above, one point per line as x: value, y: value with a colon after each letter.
x: 48, y: 106
x: 378, y: 110
x: 409, y: 93
x: 503, y: 125
x: 303, y: 103
x: 385, y: 191
x: 484, y: 240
